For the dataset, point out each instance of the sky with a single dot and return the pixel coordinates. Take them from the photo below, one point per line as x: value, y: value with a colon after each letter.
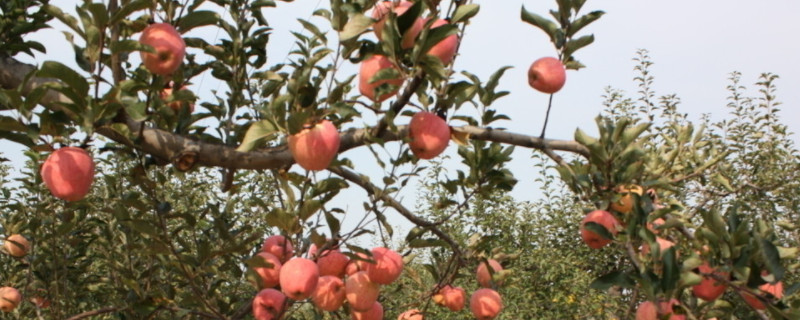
x: 695, y: 45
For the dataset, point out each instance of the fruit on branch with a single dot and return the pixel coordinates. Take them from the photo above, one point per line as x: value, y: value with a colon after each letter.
x: 68, y: 173
x: 356, y: 265
x: 278, y: 246
x: 269, y: 304
x: 773, y: 290
x: 647, y: 310
x: 314, y: 147
x: 329, y: 294
x: 709, y: 288
x: 485, y: 304
x: 332, y: 263
x: 169, y: 48
x: 603, y: 218
x: 445, y: 49
x: 360, y: 292
x: 663, y: 245
x: 382, y: 9
x: 9, y: 298
x: 387, y: 267
x: 452, y: 298
x: 429, y: 135
x: 483, y: 274
x: 375, y: 312
x: 270, y: 276
x: 412, y: 314
x: 176, y: 105
x: 547, y: 75
x: 17, y: 246
x: 298, y: 278
x: 369, y: 68
x: 625, y: 202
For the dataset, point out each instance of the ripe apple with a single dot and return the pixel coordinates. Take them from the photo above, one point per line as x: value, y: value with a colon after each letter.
x: 647, y: 310
x: 485, y: 304
x: 709, y: 289
x: 361, y: 293
x: 9, y: 298
x: 655, y: 224
x: 169, y: 46
x: 445, y: 50
x: 663, y: 245
x: 270, y: 276
x: 329, y: 294
x: 314, y: 147
x: 332, y: 263
x: 278, y: 246
x: 356, y: 265
x: 775, y: 290
x: 17, y: 246
x: 375, y: 312
x: 175, y: 105
x: 298, y: 278
x: 412, y: 314
x: 68, y: 173
x: 269, y: 304
x: 382, y: 9
x: 625, y: 202
x: 603, y: 218
x: 453, y: 298
x: 387, y: 267
x: 547, y: 75
x: 369, y: 68
x: 483, y: 274
x: 429, y: 135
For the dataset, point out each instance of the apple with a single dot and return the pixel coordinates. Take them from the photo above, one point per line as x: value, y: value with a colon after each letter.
x: 647, y: 310
x: 663, y: 245
x: 375, y: 312
x: 332, y: 263
x: 387, y: 267
x: 547, y: 75
x: 603, y: 218
x: 329, y: 294
x: 412, y: 314
x: 269, y: 304
x: 68, y: 173
x: 369, y: 68
x: 709, y: 289
x: 176, y: 105
x: 17, y: 246
x: 169, y: 46
x: 483, y: 274
x: 356, y: 265
x: 278, y: 246
x: 382, y: 9
x: 775, y: 290
x: 485, y: 304
x: 270, y: 276
x: 453, y: 297
x: 655, y: 224
x: 9, y: 298
x: 445, y: 49
x: 298, y: 278
x: 429, y: 135
x: 314, y: 147
x: 625, y: 202
x: 361, y: 293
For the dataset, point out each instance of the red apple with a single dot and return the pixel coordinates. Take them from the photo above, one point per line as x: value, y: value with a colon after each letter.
x: 379, y: 13
x: 9, y: 298
x: 356, y: 265
x: 169, y: 46
x: 329, y: 294
x: 776, y: 290
x: 412, y: 314
x: 270, y: 276
x: 175, y: 105
x: 269, y: 304
x: 361, y: 293
x: 663, y: 245
x: 647, y: 310
x: 485, y: 304
x: 332, y: 263
x: 483, y: 275
x: 314, y: 147
x: 278, y: 246
x: 429, y: 135
x: 17, y: 246
x: 547, y: 75
x: 298, y: 278
x: 625, y: 203
x: 68, y: 173
x: 709, y: 289
x: 387, y: 267
x: 605, y: 219
x: 445, y: 50
x: 453, y: 298
x: 369, y: 68
x: 375, y: 312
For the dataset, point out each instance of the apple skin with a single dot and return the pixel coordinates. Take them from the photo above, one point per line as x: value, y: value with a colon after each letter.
x: 68, y: 173
x: 375, y: 312
x: 357, y: 265
x: 298, y: 278
x: 270, y: 277
x: 269, y: 304
x: 547, y: 75
x: 329, y: 294
x: 387, y: 267
x: 17, y: 246
x: 429, y: 135
x: 483, y: 275
x: 175, y: 105
x: 625, y: 202
x: 647, y: 311
x: 445, y: 50
x: 453, y: 298
x: 169, y: 46
x: 278, y: 246
x: 709, y: 289
x: 332, y: 263
x: 314, y: 147
x: 10, y: 298
x: 605, y: 219
x: 485, y: 304
x: 371, y: 66
x: 776, y: 290
x: 663, y: 245
x: 361, y: 293
x: 379, y: 13
x: 412, y: 314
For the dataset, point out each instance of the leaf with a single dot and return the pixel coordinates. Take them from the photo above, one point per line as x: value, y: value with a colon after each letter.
x: 771, y: 257
x: 256, y: 134
x: 425, y: 243
x: 599, y: 229
x: 53, y: 69
x: 671, y: 270
x: 465, y: 12
x: 129, y: 8
x: 356, y: 25
x: 198, y: 19
x: 460, y: 137
x: 614, y: 278
x: 573, y: 45
x: 549, y: 27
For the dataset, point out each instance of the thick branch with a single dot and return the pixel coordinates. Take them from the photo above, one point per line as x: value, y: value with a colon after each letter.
x: 92, y: 313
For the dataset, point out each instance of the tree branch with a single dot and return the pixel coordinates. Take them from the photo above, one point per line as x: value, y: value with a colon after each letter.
x: 88, y: 314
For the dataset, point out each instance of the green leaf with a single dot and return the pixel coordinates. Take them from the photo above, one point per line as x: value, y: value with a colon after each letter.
x: 256, y: 134
x: 614, y: 278
x: 198, y: 19
x: 583, y: 21
x: 53, y: 69
x: 672, y: 272
x: 573, y: 45
x: 465, y: 12
x: 772, y: 258
x: 129, y: 8
x: 129, y: 46
x: 356, y: 25
x: 599, y: 229
x: 549, y: 27
x: 426, y: 243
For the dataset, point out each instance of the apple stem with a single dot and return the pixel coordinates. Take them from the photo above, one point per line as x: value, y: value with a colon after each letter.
x: 546, y: 116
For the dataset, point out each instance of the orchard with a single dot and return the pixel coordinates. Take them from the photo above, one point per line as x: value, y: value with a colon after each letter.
x: 282, y: 194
